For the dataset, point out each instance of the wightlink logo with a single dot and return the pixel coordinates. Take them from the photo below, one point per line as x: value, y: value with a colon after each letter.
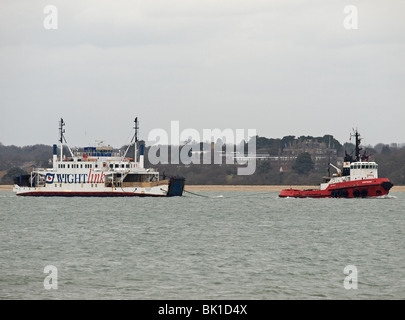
x: 216, y: 147
x: 70, y: 178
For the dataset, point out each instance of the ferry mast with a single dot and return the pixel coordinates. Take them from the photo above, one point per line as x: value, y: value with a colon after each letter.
x: 62, y: 138
x: 136, y: 127
x: 135, y: 140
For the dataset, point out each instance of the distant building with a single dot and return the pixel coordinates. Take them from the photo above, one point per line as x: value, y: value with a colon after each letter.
x: 321, y: 153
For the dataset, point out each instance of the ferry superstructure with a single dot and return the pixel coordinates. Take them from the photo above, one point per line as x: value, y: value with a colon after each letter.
x: 97, y: 171
x: 357, y: 179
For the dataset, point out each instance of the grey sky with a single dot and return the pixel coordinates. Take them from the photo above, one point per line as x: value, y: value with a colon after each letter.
x: 280, y: 67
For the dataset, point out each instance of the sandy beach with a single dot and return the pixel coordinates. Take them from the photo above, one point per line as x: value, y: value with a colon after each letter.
x: 241, y: 187
x: 256, y: 188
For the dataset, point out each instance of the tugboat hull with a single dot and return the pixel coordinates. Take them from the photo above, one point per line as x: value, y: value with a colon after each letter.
x: 352, y: 189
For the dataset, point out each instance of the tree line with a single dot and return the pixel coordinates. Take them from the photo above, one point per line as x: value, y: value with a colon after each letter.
x: 391, y: 159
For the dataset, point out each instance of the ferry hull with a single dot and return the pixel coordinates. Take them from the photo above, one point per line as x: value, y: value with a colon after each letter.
x: 173, y: 188
x: 86, y: 194
x: 352, y: 189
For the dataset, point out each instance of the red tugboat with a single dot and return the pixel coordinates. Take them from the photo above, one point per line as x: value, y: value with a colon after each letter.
x: 358, y: 179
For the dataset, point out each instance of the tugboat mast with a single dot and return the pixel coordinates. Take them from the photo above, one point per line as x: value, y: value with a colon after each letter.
x: 358, y: 149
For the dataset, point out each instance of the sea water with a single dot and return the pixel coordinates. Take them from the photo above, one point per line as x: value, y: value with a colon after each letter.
x: 214, y: 245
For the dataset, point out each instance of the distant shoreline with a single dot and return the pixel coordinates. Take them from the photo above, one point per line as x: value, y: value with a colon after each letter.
x: 264, y: 188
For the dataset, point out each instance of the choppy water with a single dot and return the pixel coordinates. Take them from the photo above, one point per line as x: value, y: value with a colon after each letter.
x: 243, y: 245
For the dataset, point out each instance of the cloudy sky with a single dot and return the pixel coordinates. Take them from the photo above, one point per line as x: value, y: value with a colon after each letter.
x: 282, y: 67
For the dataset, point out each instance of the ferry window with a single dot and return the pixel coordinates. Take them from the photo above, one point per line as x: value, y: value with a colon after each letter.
x: 111, y: 166
x: 96, y: 165
x: 81, y: 166
x: 68, y: 166
x: 127, y: 165
x: 363, y: 166
x: 116, y: 165
x: 122, y: 166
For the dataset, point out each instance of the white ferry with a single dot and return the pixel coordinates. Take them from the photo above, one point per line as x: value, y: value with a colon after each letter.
x: 97, y: 171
